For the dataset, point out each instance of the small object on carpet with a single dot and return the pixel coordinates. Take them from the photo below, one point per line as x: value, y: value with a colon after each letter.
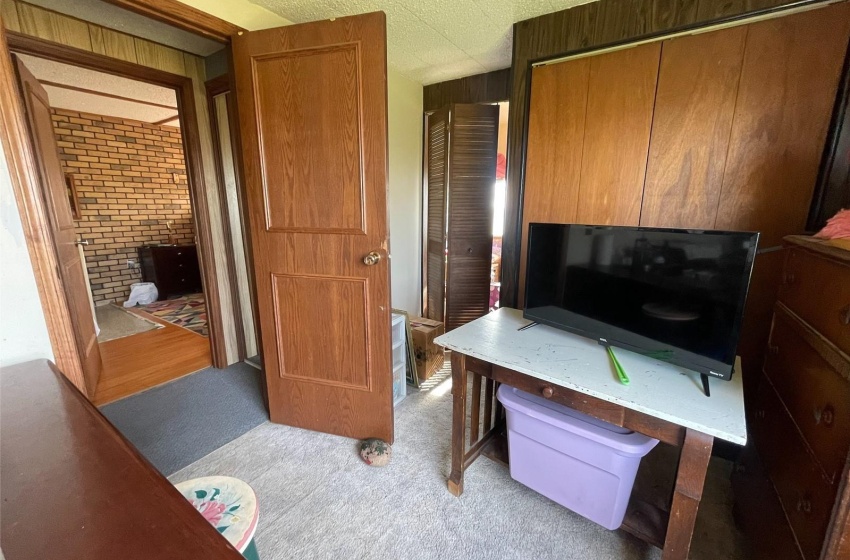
x: 175, y: 424
x: 189, y: 312
x: 376, y: 452
x: 116, y: 322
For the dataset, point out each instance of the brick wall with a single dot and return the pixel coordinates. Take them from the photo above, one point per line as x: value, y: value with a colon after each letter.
x: 131, y: 181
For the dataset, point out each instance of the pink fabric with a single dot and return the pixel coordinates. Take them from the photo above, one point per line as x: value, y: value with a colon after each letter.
x: 211, y: 510
x: 837, y: 227
x: 501, y: 164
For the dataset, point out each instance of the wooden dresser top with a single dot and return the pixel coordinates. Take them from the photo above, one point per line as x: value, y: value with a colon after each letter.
x: 74, y: 488
x: 833, y: 249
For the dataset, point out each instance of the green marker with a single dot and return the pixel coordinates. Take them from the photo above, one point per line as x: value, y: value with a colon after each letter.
x: 621, y: 373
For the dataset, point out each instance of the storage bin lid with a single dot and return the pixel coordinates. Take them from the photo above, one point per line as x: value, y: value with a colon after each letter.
x: 563, y: 417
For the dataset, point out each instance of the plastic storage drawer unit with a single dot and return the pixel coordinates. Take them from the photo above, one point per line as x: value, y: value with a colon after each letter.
x: 582, y: 463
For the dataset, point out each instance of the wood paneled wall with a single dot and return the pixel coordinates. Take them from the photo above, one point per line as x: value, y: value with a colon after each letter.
x: 491, y: 87
x: 52, y: 26
x: 583, y: 28
x: 730, y: 136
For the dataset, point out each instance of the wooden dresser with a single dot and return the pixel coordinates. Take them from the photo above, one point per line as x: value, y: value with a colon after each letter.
x: 72, y: 487
x: 795, y: 480
x: 173, y: 268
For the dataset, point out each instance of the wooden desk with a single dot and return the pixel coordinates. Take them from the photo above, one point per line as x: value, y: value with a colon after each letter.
x: 71, y: 486
x: 662, y: 401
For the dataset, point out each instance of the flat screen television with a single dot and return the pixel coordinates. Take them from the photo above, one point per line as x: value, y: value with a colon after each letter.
x: 673, y: 294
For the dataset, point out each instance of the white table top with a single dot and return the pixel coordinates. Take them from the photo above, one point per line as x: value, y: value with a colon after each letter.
x: 657, y: 388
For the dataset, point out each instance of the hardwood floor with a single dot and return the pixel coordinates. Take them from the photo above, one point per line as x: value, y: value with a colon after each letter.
x: 141, y: 361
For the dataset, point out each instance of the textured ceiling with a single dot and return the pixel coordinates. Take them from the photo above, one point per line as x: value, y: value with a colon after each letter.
x: 89, y: 102
x: 434, y: 40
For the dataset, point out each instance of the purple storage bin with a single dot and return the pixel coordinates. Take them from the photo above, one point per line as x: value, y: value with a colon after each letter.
x: 585, y: 464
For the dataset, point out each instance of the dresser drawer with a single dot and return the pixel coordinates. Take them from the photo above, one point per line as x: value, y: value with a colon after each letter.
x: 818, y: 290
x: 816, y: 395
x: 806, y: 496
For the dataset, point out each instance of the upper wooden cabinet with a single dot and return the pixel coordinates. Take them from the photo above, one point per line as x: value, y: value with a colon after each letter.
x: 723, y: 129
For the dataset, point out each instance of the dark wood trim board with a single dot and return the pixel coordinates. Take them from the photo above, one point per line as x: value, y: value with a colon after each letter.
x: 492, y: 87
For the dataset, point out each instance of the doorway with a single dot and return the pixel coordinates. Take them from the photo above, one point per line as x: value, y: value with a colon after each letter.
x: 120, y: 132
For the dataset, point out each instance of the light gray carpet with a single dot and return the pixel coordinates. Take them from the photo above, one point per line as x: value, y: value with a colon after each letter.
x: 116, y: 322
x: 318, y: 500
x: 177, y: 423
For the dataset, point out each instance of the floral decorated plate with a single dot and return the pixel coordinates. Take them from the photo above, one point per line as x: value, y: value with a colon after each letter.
x: 227, y: 503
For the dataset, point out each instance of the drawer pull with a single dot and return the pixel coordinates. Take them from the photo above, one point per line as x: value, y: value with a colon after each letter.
x: 804, y: 505
x: 773, y: 349
x: 825, y: 415
x: 547, y: 392
x: 759, y: 413
x: 844, y: 315
x: 790, y: 278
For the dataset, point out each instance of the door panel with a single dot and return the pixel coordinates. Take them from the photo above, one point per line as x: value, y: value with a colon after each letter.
x: 313, y: 158
x: 313, y: 116
x: 694, y: 105
x: 555, y: 144
x: 71, y: 264
x: 620, y: 100
x: 789, y: 79
x: 473, y: 144
x: 438, y: 163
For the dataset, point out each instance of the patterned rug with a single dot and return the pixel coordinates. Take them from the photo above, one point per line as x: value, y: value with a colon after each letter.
x: 189, y: 312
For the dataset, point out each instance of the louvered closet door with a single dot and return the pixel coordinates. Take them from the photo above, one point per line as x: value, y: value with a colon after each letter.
x: 473, y: 143
x: 438, y: 161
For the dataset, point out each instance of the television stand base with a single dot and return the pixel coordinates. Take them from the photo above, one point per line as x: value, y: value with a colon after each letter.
x: 705, y: 384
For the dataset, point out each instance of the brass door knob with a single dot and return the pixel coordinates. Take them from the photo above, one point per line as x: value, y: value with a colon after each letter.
x: 372, y: 258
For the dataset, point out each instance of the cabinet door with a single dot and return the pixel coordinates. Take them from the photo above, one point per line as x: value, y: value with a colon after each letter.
x: 694, y: 104
x: 588, y: 136
x: 787, y: 89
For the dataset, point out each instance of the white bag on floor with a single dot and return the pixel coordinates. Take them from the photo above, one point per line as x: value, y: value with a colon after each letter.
x: 143, y: 293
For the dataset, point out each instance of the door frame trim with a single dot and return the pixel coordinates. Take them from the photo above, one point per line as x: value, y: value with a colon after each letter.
x: 56, y: 310
x: 212, y: 88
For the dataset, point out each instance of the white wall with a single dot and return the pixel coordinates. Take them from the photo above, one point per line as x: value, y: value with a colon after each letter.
x: 23, y: 331
x: 405, y: 190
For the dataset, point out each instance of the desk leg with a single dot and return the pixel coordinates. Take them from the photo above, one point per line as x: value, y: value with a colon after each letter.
x: 458, y: 422
x: 690, y: 478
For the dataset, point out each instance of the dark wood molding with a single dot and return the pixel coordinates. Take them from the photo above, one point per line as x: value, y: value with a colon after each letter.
x: 105, y: 94
x: 492, y: 87
x: 36, y: 224
x: 832, y: 190
x: 183, y: 17
x: 214, y: 87
x: 584, y: 29
x: 191, y: 149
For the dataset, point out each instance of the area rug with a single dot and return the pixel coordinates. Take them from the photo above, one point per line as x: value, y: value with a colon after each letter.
x: 179, y: 422
x: 189, y: 312
x: 116, y: 322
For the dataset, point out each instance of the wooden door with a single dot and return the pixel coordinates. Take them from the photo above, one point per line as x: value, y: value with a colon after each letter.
x: 473, y: 146
x: 312, y: 102
x: 434, y: 295
x: 71, y: 272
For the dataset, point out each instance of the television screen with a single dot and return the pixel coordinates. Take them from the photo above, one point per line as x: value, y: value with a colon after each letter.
x: 672, y: 294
